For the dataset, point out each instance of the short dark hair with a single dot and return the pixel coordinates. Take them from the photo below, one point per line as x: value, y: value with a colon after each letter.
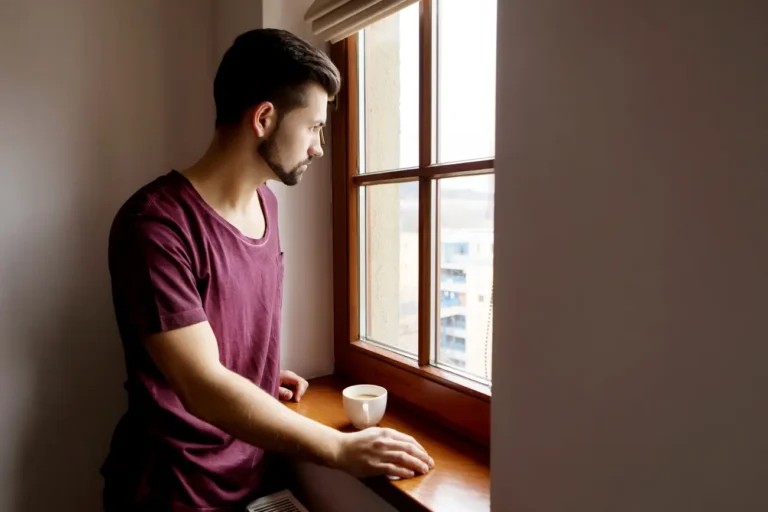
x: 269, y: 65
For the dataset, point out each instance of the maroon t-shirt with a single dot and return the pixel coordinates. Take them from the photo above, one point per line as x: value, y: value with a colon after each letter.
x: 175, y: 262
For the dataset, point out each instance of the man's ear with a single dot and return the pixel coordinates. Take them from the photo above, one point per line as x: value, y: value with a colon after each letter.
x: 263, y: 119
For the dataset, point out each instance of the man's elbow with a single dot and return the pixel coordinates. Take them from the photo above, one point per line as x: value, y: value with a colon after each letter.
x: 202, y: 395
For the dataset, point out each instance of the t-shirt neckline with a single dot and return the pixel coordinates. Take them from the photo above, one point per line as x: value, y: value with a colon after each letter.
x: 199, y: 199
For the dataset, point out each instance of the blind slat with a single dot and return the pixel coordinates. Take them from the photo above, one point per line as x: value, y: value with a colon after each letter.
x: 321, y: 8
x: 342, y: 14
x: 334, y: 20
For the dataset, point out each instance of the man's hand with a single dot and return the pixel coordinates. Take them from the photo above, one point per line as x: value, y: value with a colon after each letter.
x: 288, y: 380
x: 382, y: 451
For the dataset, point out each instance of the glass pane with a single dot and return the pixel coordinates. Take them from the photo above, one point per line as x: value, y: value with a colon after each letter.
x: 389, y: 92
x: 389, y: 231
x: 466, y: 274
x: 466, y: 79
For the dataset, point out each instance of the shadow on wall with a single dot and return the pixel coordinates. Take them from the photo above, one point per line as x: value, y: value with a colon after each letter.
x: 68, y: 344
x: 98, y: 98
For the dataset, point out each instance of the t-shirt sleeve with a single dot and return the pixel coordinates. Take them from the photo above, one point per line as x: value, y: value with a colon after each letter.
x: 154, y: 287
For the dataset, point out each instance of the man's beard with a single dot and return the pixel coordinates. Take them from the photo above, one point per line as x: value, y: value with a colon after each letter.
x: 269, y: 152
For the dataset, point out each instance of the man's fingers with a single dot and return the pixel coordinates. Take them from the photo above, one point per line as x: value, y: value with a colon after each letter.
x: 405, y: 460
x: 290, y: 378
x: 299, y: 385
x: 285, y: 394
x: 301, y: 388
x: 414, y: 450
x: 405, y: 438
x: 395, y: 470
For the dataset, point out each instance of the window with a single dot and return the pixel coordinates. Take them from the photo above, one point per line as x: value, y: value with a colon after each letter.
x: 413, y: 200
x: 452, y: 275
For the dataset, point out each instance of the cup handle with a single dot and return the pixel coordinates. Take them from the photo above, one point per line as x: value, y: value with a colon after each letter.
x: 366, y: 415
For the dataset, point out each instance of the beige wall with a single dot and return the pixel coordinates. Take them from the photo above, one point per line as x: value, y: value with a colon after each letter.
x: 96, y: 98
x: 231, y: 18
x: 305, y: 232
x: 632, y: 260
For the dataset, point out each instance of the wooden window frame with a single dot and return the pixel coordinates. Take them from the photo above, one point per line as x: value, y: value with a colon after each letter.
x: 457, y: 402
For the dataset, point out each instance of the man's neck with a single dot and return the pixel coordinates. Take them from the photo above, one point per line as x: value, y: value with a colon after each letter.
x: 228, y: 176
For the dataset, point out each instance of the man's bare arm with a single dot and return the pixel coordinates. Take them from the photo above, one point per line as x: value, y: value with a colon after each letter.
x: 189, y: 359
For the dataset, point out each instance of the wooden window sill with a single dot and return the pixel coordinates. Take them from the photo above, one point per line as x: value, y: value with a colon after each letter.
x: 460, y: 480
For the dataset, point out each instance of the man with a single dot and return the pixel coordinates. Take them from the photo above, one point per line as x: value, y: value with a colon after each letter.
x: 197, y: 274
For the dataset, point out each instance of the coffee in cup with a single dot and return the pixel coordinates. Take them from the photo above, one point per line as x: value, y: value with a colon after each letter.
x: 365, y: 404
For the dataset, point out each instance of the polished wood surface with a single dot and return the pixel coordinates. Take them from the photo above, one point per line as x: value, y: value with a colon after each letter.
x: 460, y: 480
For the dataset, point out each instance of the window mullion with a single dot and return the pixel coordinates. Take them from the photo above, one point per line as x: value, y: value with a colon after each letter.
x: 426, y: 239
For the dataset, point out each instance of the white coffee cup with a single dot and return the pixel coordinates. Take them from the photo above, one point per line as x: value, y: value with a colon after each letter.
x: 365, y: 404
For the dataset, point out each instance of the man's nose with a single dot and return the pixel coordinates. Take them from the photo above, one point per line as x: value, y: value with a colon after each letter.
x: 316, y: 151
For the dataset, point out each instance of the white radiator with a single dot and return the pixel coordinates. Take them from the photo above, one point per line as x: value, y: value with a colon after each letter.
x: 283, y: 501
